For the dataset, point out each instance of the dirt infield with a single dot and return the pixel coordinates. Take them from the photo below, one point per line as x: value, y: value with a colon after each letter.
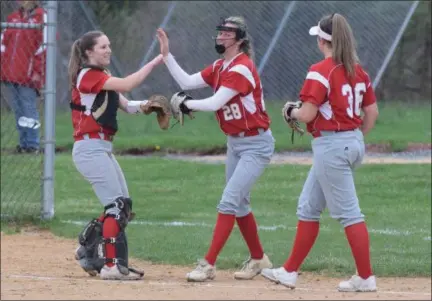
x: 51, y: 273
x: 305, y: 158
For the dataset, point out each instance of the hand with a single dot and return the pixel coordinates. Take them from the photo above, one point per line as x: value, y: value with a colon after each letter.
x: 35, y: 78
x: 179, y: 107
x: 288, y: 108
x: 163, y: 41
x: 178, y: 102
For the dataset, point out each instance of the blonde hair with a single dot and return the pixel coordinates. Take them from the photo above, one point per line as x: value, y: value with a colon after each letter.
x: 78, y: 53
x: 343, y: 43
x: 246, y: 46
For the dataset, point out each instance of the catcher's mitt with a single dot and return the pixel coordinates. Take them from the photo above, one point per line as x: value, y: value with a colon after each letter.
x: 159, y: 104
x: 178, y: 108
x: 292, y: 123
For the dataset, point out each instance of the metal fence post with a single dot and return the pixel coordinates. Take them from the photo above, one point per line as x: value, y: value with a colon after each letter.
x: 50, y: 101
x: 288, y: 10
x: 394, y: 45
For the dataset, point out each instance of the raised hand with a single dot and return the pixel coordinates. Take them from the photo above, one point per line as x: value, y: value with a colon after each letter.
x: 163, y: 41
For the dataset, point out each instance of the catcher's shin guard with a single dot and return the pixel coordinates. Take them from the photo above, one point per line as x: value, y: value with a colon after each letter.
x: 115, y: 235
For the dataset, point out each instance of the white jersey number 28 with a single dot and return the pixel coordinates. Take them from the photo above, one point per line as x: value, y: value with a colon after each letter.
x: 354, y: 99
x: 231, y: 112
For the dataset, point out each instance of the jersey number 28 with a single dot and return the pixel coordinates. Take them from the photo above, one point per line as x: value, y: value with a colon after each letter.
x: 231, y: 112
x: 354, y: 98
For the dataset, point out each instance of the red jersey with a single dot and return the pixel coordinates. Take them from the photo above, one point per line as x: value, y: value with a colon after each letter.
x: 23, y: 51
x: 89, y: 85
x: 245, y: 111
x: 339, y: 100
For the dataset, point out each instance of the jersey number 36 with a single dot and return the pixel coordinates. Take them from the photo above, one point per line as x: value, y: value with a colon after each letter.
x: 354, y: 99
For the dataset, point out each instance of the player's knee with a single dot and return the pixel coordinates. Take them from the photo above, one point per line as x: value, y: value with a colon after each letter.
x: 229, y: 203
x: 307, y: 214
x: 348, y: 221
x: 308, y: 217
x: 227, y: 208
x: 243, y: 211
x: 121, y: 210
x: 347, y: 217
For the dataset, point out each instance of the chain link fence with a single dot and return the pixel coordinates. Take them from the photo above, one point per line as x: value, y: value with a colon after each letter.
x: 279, y: 29
x: 22, y: 76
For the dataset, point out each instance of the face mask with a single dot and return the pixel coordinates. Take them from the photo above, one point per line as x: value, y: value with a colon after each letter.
x: 220, y: 48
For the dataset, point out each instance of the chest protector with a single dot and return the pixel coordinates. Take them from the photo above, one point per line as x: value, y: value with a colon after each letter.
x: 104, y: 108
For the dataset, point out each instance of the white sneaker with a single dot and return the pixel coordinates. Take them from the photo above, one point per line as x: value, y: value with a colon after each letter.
x: 358, y: 284
x: 253, y: 267
x: 281, y: 276
x: 204, y: 271
x: 113, y: 273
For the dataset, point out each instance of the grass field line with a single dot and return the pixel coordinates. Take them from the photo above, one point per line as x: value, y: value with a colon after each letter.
x: 390, y: 232
x: 214, y: 285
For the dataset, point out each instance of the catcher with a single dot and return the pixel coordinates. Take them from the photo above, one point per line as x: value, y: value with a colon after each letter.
x: 96, y: 99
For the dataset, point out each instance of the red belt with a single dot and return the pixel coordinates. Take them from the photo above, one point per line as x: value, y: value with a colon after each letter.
x: 249, y: 133
x: 317, y: 134
x: 95, y: 135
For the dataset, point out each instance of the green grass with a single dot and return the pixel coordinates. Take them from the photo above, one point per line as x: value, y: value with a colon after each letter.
x: 398, y: 125
x: 395, y: 199
x: 21, y: 185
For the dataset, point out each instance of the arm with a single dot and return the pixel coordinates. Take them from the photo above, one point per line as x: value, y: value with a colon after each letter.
x: 312, y: 95
x: 183, y: 79
x: 131, y: 106
x: 3, y: 41
x: 40, y: 54
x: 132, y: 81
x: 306, y: 113
x: 5, y: 35
x: 213, y: 103
x: 370, y: 116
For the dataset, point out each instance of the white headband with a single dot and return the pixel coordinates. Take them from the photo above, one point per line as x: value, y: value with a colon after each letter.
x: 317, y: 31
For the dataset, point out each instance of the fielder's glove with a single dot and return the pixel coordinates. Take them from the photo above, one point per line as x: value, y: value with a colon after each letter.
x: 159, y: 104
x: 179, y: 108
x: 292, y: 122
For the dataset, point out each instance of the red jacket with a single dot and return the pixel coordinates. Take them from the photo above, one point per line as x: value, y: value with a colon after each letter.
x: 23, y: 51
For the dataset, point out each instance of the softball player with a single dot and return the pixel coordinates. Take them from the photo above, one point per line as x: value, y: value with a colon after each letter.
x: 239, y: 105
x: 334, y: 93
x: 95, y: 101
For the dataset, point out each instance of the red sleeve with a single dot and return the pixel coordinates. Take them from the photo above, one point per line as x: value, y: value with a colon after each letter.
x: 6, y: 33
x: 315, y: 87
x: 40, y: 55
x: 207, y: 75
x: 239, y: 78
x: 92, y: 81
x: 369, y: 96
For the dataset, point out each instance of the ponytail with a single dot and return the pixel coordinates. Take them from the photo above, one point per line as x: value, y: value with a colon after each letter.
x: 75, y: 63
x: 344, y: 44
x: 247, y: 48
